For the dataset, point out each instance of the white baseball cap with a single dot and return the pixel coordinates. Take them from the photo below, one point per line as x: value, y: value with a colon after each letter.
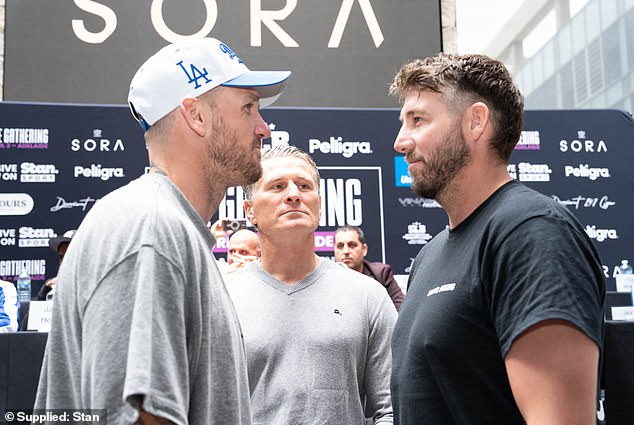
x: 189, y: 69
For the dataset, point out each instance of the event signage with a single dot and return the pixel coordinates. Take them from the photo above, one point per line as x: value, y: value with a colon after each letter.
x: 343, y: 53
x: 58, y: 160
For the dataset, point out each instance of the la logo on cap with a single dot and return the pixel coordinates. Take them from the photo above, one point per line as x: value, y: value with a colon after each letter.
x: 196, y: 74
x: 226, y: 49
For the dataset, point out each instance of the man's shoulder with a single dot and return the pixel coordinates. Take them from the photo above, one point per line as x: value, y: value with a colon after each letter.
x: 377, y: 267
x: 348, y: 279
x: 517, y: 205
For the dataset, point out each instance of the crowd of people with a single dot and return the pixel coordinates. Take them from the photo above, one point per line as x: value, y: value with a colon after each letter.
x: 148, y: 326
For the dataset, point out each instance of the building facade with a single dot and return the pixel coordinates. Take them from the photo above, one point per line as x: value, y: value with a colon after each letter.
x: 588, y: 63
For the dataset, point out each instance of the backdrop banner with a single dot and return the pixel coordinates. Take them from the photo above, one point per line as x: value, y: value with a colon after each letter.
x: 343, y: 53
x: 57, y: 160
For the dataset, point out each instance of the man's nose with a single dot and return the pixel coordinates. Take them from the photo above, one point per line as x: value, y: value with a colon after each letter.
x: 262, y: 129
x: 292, y: 193
x: 403, y: 142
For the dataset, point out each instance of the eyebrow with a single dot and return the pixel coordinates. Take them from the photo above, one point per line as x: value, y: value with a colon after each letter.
x: 411, y: 112
x: 252, y: 97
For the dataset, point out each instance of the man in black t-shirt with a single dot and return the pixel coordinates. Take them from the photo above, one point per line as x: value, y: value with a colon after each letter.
x: 502, y: 323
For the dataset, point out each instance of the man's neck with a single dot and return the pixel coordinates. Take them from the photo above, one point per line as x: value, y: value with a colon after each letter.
x: 289, y: 261
x: 469, y: 190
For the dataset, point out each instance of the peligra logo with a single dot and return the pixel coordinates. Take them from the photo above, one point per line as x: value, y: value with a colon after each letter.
x: 336, y: 145
x: 96, y: 171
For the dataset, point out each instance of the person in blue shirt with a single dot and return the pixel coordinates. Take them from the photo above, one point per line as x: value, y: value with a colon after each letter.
x: 9, y: 307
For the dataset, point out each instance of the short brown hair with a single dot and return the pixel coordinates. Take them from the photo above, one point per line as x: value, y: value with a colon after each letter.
x: 284, y: 151
x: 463, y: 80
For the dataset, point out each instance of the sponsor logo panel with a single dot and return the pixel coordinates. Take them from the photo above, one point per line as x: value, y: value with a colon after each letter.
x: 580, y: 202
x: 29, y: 172
x: 417, y: 234
x: 63, y: 204
x: 97, y: 143
x: 582, y: 144
x: 401, y: 175
x: 586, y: 172
x: 324, y: 241
x: 527, y: 172
x: 11, y: 269
x: 278, y: 138
x: 97, y: 171
x: 38, y: 173
x: 16, y: 203
x: 26, y: 237
x: 419, y: 202
x: 338, y: 146
x: 31, y: 237
x: 600, y: 235
x: 529, y: 141
x: 24, y: 138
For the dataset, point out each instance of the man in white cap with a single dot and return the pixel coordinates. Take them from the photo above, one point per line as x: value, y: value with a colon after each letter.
x: 142, y: 324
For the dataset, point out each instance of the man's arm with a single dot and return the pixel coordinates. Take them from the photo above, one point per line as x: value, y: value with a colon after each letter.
x: 146, y: 418
x: 378, y: 364
x: 393, y: 288
x: 553, y: 369
x: 383, y: 273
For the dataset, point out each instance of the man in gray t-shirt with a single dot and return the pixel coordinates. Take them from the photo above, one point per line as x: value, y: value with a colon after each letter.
x: 142, y: 323
x: 317, y: 334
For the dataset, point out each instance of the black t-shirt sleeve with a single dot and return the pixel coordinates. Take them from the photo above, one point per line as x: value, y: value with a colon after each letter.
x: 545, y: 268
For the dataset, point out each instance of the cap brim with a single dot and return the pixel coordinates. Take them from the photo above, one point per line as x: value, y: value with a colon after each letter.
x: 54, y: 243
x: 269, y: 84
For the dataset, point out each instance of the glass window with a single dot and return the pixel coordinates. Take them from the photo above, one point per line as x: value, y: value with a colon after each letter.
x: 566, y: 82
x: 609, y: 12
x: 629, y: 39
x: 595, y: 66
x: 592, y: 20
x: 611, y: 54
x: 581, y: 80
x: 548, y: 53
x: 614, y: 94
x: 565, y: 44
x: 578, y: 33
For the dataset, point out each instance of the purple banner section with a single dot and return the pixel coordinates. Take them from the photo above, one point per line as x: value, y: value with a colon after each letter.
x: 324, y: 241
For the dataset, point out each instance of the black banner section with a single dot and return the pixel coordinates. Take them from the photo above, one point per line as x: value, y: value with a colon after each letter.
x: 57, y: 160
x: 343, y: 53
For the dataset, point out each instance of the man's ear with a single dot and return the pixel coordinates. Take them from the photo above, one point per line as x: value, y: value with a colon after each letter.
x: 190, y: 109
x: 476, y: 118
x: 248, y: 211
x: 365, y: 249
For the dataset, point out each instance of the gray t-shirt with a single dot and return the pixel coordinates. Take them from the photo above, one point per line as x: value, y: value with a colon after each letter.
x: 317, y: 350
x: 142, y: 316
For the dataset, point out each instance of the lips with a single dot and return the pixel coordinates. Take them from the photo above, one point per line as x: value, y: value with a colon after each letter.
x: 293, y: 211
x: 410, y: 159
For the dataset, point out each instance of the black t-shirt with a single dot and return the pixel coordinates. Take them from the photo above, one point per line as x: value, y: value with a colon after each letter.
x: 517, y: 260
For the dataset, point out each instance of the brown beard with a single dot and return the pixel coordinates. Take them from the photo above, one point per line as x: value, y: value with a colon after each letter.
x: 442, y: 165
x: 224, y: 152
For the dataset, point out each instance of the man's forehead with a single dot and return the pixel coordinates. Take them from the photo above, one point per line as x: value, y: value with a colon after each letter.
x: 346, y: 235
x: 245, y: 94
x: 285, y: 166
